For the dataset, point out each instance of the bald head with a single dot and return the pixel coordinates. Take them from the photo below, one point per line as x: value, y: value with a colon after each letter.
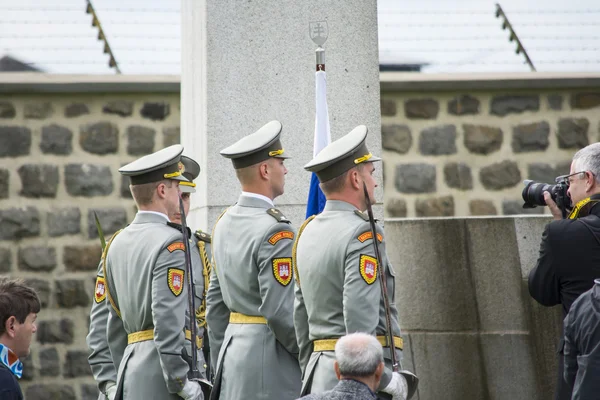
x: 358, y: 355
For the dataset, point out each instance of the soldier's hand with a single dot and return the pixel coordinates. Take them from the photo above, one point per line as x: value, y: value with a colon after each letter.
x: 191, y: 391
x: 556, y: 213
x: 397, y: 387
x: 111, y: 391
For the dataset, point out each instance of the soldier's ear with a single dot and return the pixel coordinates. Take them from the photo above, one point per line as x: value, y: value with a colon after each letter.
x: 355, y: 180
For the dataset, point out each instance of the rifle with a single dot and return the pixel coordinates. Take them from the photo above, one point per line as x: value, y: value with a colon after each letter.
x: 100, y: 232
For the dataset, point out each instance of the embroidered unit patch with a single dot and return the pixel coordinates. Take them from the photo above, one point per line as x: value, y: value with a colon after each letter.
x: 368, y: 268
x: 176, y: 246
x: 363, y: 237
x: 282, y: 270
x: 175, y: 280
x: 100, y: 291
x: 281, y: 235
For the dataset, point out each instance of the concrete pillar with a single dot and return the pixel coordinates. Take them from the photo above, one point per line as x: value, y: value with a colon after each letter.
x: 251, y: 62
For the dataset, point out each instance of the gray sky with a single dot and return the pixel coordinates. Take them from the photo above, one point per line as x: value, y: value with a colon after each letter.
x: 450, y: 36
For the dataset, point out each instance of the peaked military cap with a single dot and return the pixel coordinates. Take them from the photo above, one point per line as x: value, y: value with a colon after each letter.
x: 341, y: 155
x: 259, y: 146
x: 191, y: 170
x: 163, y: 164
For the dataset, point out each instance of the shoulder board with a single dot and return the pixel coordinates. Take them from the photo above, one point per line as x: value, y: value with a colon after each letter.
x: 205, y: 237
x: 363, y: 215
x: 180, y: 228
x: 275, y: 213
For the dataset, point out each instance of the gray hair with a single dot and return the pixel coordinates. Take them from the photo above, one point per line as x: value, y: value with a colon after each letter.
x: 358, y: 354
x: 588, y: 159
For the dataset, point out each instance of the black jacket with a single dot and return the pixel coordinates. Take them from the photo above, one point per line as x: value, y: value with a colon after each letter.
x: 582, y: 346
x: 9, y: 386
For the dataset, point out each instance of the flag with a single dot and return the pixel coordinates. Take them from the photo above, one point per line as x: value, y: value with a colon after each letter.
x: 316, y: 198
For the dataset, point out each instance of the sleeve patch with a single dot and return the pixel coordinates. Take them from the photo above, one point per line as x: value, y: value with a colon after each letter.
x: 368, y: 268
x: 100, y: 291
x: 281, y: 235
x: 282, y: 270
x: 175, y: 280
x: 176, y: 246
x: 363, y: 237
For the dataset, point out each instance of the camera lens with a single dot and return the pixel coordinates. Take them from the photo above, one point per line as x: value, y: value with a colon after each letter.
x: 533, y: 193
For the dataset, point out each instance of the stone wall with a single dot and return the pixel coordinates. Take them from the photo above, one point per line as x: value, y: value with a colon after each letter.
x: 466, y: 152
x: 59, y: 155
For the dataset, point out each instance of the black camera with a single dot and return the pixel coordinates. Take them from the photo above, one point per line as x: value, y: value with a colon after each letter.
x: 533, y: 194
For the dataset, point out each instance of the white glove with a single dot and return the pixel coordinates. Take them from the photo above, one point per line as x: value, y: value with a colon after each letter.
x: 397, y: 387
x: 191, y: 391
x: 111, y: 390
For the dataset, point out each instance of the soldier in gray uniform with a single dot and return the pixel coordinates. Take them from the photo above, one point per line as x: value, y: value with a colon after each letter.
x: 334, y: 255
x: 250, y: 298
x: 100, y: 360
x: 146, y: 286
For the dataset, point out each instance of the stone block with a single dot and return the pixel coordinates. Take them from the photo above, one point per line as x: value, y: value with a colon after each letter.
x: 38, y: 180
x: 438, y: 140
x: 74, y: 110
x: 415, y: 178
x: 421, y: 108
x: 458, y: 176
x: 388, y: 107
x: 482, y: 139
x: 38, y: 110
x: 49, y: 362
x: 99, y: 138
x: 37, y: 258
x: 55, y: 331
x: 140, y: 140
x: 515, y: 207
x: 28, y: 367
x: 158, y: 111
x: 42, y: 288
x: 396, y: 208
x: 443, y: 266
x: 555, y: 102
x: 585, y: 101
x: 529, y: 235
x: 563, y: 168
x: 57, y: 140
x: 573, y: 133
x: 482, y: 207
x: 500, y: 175
x: 119, y: 107
x: 5, y: 260
x: 112, y: 219
x: 449, y: 366
x: 464, y: 105
x: 4, y: 183
x: 82, y: 258
x: 71, y: 293
x: 50, y: 391
x: 497, y: 284
x: 76, y: 364
x: 531, y: 137
x: 17, y: 223
x: 89, y: 392
x: 171, y: 136
x: 125, y: 192
x: 14, y: 141
x: 514, y: 104
x: 435, y: 207
x: 396, y: 138
x: 64, y: 221
x: 7, y: 109
x: 540, y: 172
x: 88, y: 180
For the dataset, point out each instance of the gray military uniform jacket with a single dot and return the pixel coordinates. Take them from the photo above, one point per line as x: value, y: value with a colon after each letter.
x: 346, y: 389
x: 337, y: 290
x: 252, y: 250
x: 147, y: 290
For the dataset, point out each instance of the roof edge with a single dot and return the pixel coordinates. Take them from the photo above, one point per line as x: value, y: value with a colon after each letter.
x: 411, y: 81
x: 33, y: 82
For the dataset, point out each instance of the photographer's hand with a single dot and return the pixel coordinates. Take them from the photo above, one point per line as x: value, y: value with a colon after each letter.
x: 556, y: 213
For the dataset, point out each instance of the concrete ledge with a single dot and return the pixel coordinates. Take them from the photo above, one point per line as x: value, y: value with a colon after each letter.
x: 414, y: 81
x: 31, y: 82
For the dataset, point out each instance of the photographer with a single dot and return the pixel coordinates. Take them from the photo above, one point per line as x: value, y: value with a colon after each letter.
x: 569, y: 259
